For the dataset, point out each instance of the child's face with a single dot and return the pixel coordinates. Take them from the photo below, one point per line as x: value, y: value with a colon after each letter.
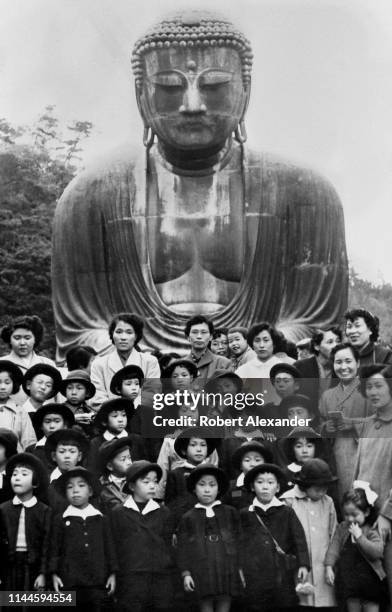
x: 250, y: 460
x: 119, y: 464
x: 51, y: 423
x: 196, y: 450
x: 117, y: 421
x: 130, y: 388
x: 304, y: 450
x: 3, y: 455
x: 75, y: 393
x: 181, y: 378
x: 265, y: 486
x: 285, y: 384
x: 22, y: 480
x: 40, y: 387
x: 353, y: 514
x: 66, y: 456
x: 78, y: 492
x: 298, y: 411
x: 226, y: 385
x: 144, y: 488
x: 316, y: 492
x: 206, y: 489
x: 6, y: 385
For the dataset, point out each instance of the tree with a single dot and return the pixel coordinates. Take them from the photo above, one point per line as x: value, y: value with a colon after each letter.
x: 32, y: 177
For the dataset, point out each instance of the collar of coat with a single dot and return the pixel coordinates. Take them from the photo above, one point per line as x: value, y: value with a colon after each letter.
x: 27, y: 504
x: 149, y: 507
x: 81, y: 512
x: 273, y: 503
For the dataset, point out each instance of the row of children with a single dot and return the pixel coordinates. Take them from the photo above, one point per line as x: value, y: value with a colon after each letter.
x: 274, y: 551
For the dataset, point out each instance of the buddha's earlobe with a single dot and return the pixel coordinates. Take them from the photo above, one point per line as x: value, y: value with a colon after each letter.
x: 148, y: 136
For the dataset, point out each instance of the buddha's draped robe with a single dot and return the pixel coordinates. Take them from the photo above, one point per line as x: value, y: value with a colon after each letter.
x: 290, y: 227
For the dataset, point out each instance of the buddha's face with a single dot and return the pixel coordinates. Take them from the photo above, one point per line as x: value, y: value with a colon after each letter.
x: 193, y: 98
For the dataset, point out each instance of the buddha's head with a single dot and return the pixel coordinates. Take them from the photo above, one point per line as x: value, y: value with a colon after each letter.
x: 192, y: 76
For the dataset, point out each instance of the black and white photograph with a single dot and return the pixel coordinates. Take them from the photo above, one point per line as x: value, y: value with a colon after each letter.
x: 196, y: 305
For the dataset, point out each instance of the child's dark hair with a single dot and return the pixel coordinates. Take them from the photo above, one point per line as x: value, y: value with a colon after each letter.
x: 359, y: 499
x: 78, y: 357
x: 22, y: 464
x: 290, y: 448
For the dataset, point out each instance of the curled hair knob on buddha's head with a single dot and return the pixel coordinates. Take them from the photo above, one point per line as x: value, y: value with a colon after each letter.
x: 193, y: 29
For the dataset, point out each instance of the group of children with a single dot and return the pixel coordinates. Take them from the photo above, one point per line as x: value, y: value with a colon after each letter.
x: 81, y: 510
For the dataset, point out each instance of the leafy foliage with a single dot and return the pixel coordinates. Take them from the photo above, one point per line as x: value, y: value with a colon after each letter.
x: 36, y: 164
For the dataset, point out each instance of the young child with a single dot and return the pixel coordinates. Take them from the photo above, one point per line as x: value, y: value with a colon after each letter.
x: 316, y: 512
x: 273, y: 551
x: 48, y: 419
x: 14, y: 417
x: 66, y: 448
x: 194, y: 446
x: 208, y: 536
x: 244, y: 458
x: 353, y: 560
x: 8, y: 448
x: 41, y: 383
x: 128, y: 383
x: 114, y: 458
x: 142, y: 532
x: 78, y: 389
x: 113, y: 421
x: 24, y: 526
x: 82, y: 555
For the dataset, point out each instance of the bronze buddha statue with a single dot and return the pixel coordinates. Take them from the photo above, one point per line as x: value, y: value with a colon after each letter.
x: 197, y: 223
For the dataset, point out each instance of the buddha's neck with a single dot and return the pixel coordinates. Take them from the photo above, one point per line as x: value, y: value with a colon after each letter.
x: 194, y: 160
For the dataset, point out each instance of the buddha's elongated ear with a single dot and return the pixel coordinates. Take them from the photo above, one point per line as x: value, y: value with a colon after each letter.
x: 240, y: 132
x: 148, y: 134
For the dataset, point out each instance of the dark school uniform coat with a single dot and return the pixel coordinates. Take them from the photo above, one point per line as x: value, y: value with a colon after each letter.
x: 258, y: 557
x: 110, y: 495
x: 82, y: 551
x: 37, y: 527
x: 177, y: 497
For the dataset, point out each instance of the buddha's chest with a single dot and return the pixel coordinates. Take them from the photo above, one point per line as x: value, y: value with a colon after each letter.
x: 195, y: 222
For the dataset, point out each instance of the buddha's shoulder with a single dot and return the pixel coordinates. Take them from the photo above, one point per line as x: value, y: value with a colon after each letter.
x: 294, y: 175
x: 115, y: 167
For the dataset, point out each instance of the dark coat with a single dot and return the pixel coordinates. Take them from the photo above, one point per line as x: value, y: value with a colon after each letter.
x: 373, y: 353
x: 110, y: 496
x: 238, y: 497
x: 82, y: 551
x: 265, y: 581
x: 177, y: 497
x: 310, y: 380
x: 39, y: 452
x: 37, y: 526
x: 192, y: 551
x: 142, y: 541
x: 6, y: 492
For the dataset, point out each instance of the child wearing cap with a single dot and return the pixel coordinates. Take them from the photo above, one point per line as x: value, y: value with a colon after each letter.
x: 142, y: 532
x: 40, y: 383
x: 316, y: 512
x: 194, y: 446
x: 273, y: 550
x: 14, y: 417
x: 244, y: 458
x: 113, y: 421
x: 208, y: 537
x: 78, y: 389
x: 66, y: 448
x: 8, y: 448
x: 48, y: 419
x: 24, y: 526
x: 115, y: 458
x: 82, y: 555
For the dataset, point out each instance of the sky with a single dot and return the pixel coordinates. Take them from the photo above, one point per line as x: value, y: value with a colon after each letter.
x: 321, y: 88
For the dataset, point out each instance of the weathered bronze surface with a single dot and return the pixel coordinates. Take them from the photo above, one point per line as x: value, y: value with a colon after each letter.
x: 196, y: 222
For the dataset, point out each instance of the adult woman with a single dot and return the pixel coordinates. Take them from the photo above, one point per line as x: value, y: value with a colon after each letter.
x: 362, y: 329
x: 267, y: 344
x: 374, y: 457
x: 125, y: 331
x: 338, y: 406
x: 24, y: 335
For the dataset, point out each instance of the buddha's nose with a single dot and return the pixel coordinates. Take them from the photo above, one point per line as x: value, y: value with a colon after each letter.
x: 192, y: 101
